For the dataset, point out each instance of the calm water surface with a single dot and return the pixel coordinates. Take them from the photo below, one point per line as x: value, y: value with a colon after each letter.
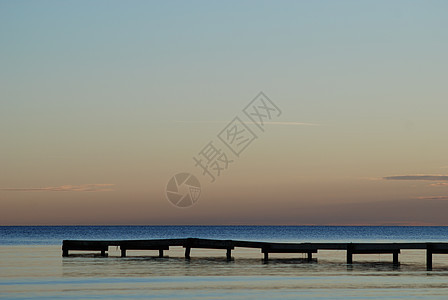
x: 31, y: 265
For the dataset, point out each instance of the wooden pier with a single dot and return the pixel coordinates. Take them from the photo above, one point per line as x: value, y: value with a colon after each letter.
x: 162, y: 245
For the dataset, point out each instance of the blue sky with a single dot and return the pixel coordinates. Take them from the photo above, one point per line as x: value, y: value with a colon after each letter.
x: 124, y: 94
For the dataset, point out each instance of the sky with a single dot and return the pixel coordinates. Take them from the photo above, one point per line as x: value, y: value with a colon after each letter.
x: 103, y: 102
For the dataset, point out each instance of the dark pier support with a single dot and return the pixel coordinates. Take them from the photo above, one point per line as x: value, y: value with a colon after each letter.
x: 187, y: 252
x: 229, y: 254
x: 310, y: 256
x: 160, y: 252
x: 395, y: 258
x: 350, y: 254
x: 266, y: 256
x: 349, y: 257
x: 123, y: 252
x: 64, y: 252
x: 429, y: 249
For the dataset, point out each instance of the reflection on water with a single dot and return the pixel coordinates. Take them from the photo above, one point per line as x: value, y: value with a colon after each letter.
x: 41, y: 272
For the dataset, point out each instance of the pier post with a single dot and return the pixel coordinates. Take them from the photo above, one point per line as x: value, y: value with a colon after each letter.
x: 229, y: 254
x: 123, y: 252
x: 103, y: 253
x: 160, y: 252
x: 350, y: 253
x: 187, y: 252
x: 429, y: 257
x: 310, y: 256
x: 395, y: 258
x: 266, y: 256
x: 64, y: 252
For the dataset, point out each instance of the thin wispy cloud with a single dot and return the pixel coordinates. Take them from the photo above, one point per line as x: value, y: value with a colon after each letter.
x: 372, y: 178
x: 269, y: 123
x: 98, y: 187
x: 433, y: 198
x: 293, y: 123
x: 439, y: 184
x: 418, y: 177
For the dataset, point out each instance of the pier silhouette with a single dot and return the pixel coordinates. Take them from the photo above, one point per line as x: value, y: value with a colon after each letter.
x: 162, y: 245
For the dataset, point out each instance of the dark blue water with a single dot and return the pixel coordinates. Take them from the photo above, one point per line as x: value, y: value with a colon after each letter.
x: 53, y: 235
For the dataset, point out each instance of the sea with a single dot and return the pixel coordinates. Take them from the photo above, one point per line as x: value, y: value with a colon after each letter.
x: 32, y: 266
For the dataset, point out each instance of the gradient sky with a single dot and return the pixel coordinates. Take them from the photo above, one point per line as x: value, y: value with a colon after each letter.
x: 101, y: 102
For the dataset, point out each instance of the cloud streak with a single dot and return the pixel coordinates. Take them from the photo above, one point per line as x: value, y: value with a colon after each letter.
x: 439, y: 184
x: 433, y: 198
x: 98, y: 187
x: 269, y: 123
x: 418, y: 177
